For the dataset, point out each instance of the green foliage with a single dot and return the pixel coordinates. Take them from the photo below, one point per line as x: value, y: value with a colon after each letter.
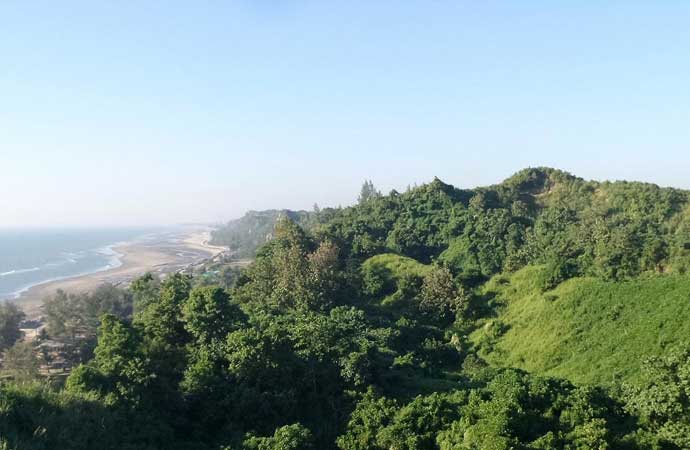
x: 289, y: 437
x: 378, y: 423
x: 441, y: 298
x: 538, y: 216
x: 118, y: 372
x: 515, y: 410
x: 372, y: 413
x: 71, y: 314
x: 587, y: 330
x: 209, y: 316
x: 392, y: 324
x: 10, y: 319
x: 416, y: 425
x: 161, y: 319
x: 293, y: 271
x: 506, y: 410
x: 221, y: 271
x: 412, y: 223
x: 368, y: 192
x: 245, y: 235
x: 74, y: 318
x: 145, y: 290
x: 34, y: 417
x: 662, y: 398
x: 392, y: 278
x: 20, y: 362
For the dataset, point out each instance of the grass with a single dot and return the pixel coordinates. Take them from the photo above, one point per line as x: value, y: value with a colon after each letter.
x: 585, y: 330
x: 396, y: 266
x: 395, y: 272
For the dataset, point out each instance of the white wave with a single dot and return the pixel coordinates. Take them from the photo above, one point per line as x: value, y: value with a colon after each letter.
x: 17, y: 293
x: 114, y: 261
x: 18, y: 271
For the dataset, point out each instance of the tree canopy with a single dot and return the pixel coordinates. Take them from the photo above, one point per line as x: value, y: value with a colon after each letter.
x: 378, y: 326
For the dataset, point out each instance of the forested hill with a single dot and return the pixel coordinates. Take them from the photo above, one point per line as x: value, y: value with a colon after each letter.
x: 245, y: 235
x: 611, y: 230
x: 545, y: 312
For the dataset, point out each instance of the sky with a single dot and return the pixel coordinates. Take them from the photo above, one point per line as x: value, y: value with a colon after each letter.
x: 162, y: 112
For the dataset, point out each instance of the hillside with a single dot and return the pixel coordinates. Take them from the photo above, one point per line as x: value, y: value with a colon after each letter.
x: 610, y: 248
x: 587, y: 330
x: 545, y: 312
x: 611, y: 230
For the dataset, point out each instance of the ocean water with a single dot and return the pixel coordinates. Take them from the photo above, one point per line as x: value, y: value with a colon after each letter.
x: 32, y: 257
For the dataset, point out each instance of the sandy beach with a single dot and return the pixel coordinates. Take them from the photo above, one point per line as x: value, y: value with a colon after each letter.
x: 137, y: 258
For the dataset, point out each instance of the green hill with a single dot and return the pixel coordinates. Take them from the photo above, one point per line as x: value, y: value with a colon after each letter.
x: 245, y: 235
x: 611, y: 230
x: 540, y: 313
x: 586, y: 330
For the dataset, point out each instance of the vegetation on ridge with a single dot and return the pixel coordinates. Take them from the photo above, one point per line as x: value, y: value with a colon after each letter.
x: 433, y: 319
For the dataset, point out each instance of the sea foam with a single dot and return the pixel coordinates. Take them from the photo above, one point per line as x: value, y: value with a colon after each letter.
x: 18, y: 271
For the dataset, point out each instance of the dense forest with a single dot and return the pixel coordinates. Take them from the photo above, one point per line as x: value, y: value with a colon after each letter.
x: 545, y: 312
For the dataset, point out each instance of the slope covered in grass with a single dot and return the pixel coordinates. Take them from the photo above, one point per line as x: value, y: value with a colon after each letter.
x: 393, y: 278
x: 586, y: 330
x: 394, y: 267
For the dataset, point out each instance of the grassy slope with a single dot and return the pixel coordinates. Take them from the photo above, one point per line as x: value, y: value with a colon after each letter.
x: 396, y: 266
x: 393, y: 269
x: 586, y: 330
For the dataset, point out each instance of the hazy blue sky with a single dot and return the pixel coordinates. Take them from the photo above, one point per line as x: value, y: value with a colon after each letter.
x: 160, y: 111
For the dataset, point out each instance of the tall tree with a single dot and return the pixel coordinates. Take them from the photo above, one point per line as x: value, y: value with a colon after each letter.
x: 368, y: 192
x: 20, y: 362
x: 10, y: 319
x: 161, y: 319
x: 209, y: 316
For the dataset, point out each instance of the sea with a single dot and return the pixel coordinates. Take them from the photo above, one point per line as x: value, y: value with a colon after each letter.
x: 35, y: 256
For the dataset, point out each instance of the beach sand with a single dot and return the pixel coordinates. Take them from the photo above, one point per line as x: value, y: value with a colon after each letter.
x: 137, y: 259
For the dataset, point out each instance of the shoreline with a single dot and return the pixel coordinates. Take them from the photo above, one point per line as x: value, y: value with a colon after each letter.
x: 135, y: 259
x: 117, y: 257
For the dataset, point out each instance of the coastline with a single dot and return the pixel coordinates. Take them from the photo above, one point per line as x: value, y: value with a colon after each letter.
x: 135, y: 259
x: 115, y: 262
